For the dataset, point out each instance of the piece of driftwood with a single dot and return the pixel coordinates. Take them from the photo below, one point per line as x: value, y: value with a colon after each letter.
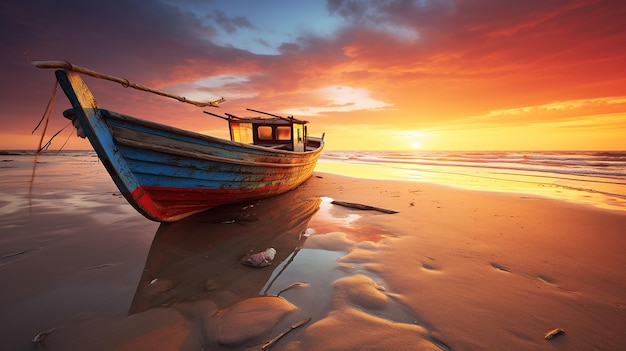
x: 362, y: 207
x: 40, y: 338
x: 105, y: 265
x: 553, y: 333
x: 271, y: 343
x: 18, y: 253
x: 294, y: 285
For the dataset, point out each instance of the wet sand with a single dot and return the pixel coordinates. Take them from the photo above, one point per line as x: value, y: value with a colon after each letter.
x: 453, y: 270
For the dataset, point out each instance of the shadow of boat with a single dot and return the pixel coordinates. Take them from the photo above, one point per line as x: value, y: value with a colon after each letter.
x: 198, y: 258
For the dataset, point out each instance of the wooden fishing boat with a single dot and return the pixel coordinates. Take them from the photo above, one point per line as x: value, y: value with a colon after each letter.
x: 168, y: 174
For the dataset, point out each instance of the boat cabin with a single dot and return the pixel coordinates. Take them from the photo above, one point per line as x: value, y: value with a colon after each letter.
x: 278, y: 133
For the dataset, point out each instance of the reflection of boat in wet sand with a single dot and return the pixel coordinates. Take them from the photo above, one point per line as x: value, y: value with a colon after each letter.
x: 199, y: 257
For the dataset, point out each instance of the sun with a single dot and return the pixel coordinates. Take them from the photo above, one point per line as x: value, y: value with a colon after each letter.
x: 416, y: 146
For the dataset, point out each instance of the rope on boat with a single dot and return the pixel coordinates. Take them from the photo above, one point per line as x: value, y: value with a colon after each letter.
x: 47, y: 145
x: 46, y: 118
x: 123, y: 81
x: 46, y: 114
x: 42, y: 147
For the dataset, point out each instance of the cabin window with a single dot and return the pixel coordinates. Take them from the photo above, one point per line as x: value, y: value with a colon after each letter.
x: 241, y: 132
x: 265, y: 133
x: 283, y: 133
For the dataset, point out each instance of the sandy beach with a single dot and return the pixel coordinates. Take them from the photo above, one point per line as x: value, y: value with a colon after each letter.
x: 452, y: 270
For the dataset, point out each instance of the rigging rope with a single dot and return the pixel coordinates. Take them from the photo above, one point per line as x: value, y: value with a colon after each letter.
x: 46, y: 117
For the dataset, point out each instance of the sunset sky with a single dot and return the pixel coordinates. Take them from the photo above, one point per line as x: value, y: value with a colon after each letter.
x: 383, y: 75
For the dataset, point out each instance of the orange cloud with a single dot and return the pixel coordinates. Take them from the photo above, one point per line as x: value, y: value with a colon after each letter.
x: 467, y: 74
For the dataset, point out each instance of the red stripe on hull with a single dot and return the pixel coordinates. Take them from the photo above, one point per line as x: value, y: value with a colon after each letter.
x: 172, y: 204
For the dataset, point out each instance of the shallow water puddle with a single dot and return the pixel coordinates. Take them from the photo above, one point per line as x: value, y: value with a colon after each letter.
x: 341, y: 292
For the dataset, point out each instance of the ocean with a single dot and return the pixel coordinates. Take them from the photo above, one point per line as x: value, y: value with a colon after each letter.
x: 596, y: 178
